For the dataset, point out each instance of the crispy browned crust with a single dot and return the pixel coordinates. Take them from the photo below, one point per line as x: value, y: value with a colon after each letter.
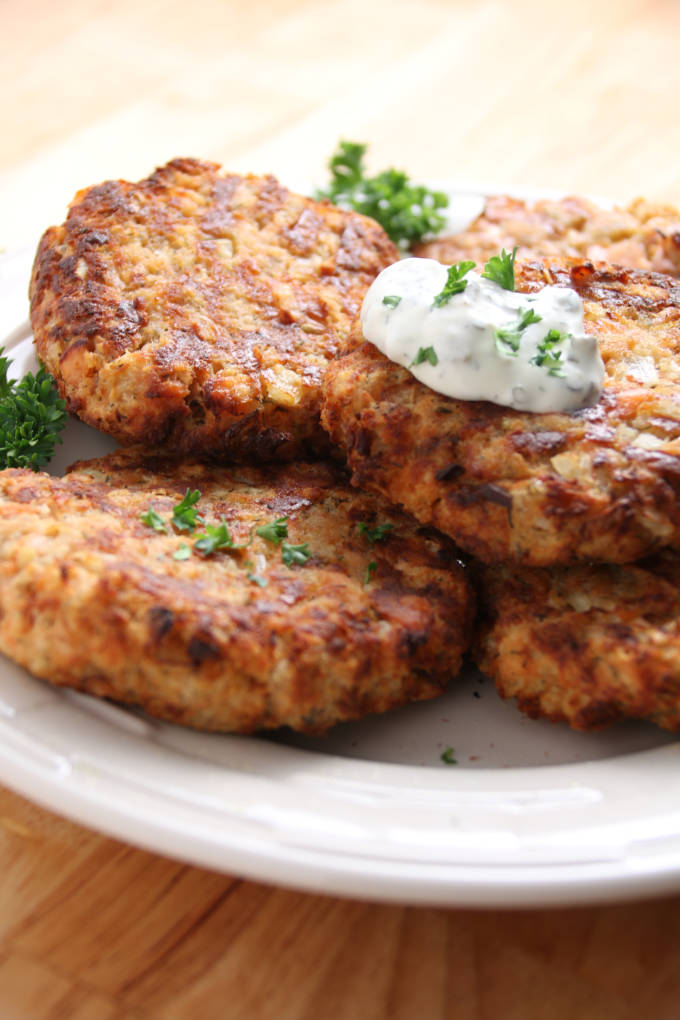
x: 600, y: 484
x: 587, y: 644
x: 91, y: 597
x: 644, y: 235
x: 197, y: 310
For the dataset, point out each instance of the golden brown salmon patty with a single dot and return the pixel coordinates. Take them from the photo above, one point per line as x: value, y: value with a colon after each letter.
x: 601, y: 484
x: 197, y: 310
x: 93, y: 598
x: 586, y: 644
x: 644, y: 235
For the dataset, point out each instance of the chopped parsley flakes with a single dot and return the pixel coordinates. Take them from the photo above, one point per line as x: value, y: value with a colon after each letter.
x: 548, y: 357
x: 508, y: 337
x: 447, y: 756
x: 425, y: 354
x: 154, y: 520
x: 379, y: 533
x: 294, y: 555
x: 371, y: 568
x: 274, y: 531
x: 185, y: 516
x: 215, y: 537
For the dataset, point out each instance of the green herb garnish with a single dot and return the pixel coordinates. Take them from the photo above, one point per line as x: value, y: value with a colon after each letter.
x: 501, y: 269
x: 185, y: 516
x: 295, y: 555
x: 262, y: 582
x: 455, y: 282
x: 425, y: 354
x: 447, y: 756
x: 182, y: 552
x: 379, y: 533
x: 215, y: 537
x: 154, y: 520
x: 370, y: 571
x: 274, y: 531
x: 407, y: 212
x: 508, y: 338
x: 32, y: 415
x: 391, y: 300
x: 548, y: 357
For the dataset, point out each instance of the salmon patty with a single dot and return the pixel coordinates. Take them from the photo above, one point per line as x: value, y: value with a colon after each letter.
x: 595, y: 484
x: 644, y: 235
x: 338, y: 606
x: 589, y: 645
x: 197, y: 310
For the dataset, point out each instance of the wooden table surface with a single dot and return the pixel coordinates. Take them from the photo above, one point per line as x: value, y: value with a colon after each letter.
x: 579, y: 97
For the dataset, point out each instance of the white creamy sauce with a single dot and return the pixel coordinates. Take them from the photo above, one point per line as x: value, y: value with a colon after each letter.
x: 456, y: 348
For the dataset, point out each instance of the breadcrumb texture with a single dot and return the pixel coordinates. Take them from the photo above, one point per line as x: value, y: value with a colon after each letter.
x: 597, y: 484
x: 92, y: 598
x: 197, y: 310
x: 587, y: 644
x: 644, y: 235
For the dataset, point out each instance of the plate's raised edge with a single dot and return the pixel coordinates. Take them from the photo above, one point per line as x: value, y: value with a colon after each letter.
x: 417, y: 883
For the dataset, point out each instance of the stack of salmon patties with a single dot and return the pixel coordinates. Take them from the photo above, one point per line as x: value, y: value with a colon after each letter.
x: 570, y: 521
x: 219, y: 570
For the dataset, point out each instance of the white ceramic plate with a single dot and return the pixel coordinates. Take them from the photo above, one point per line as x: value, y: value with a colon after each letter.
x: 531, y: 814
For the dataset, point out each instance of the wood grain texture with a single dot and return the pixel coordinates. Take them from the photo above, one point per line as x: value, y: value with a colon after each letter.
x: 579, y: 97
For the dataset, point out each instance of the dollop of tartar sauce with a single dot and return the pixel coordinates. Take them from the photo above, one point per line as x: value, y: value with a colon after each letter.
x: 456, y: 348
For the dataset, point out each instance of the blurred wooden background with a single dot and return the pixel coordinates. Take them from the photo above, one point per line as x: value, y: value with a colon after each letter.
x: 578, y: 97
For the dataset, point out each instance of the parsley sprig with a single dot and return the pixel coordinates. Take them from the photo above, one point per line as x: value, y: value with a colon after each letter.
x: 501, y: 269
x: 508, y: 338
x: 407, y: 212
x: 32, y: 416
x: 455, y: 282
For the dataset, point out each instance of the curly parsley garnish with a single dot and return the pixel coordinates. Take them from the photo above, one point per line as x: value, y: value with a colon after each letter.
x: 295, y: 555
x: 32, y: 415
x: 548, y: 357
x: 508, y: 338
x: 455, y: 283
x: 407, y: 212
x: 274, y: 531
x: 380, y: 533
x: 501, y: 269
x: 425, y: 354
x: 447, y: 756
